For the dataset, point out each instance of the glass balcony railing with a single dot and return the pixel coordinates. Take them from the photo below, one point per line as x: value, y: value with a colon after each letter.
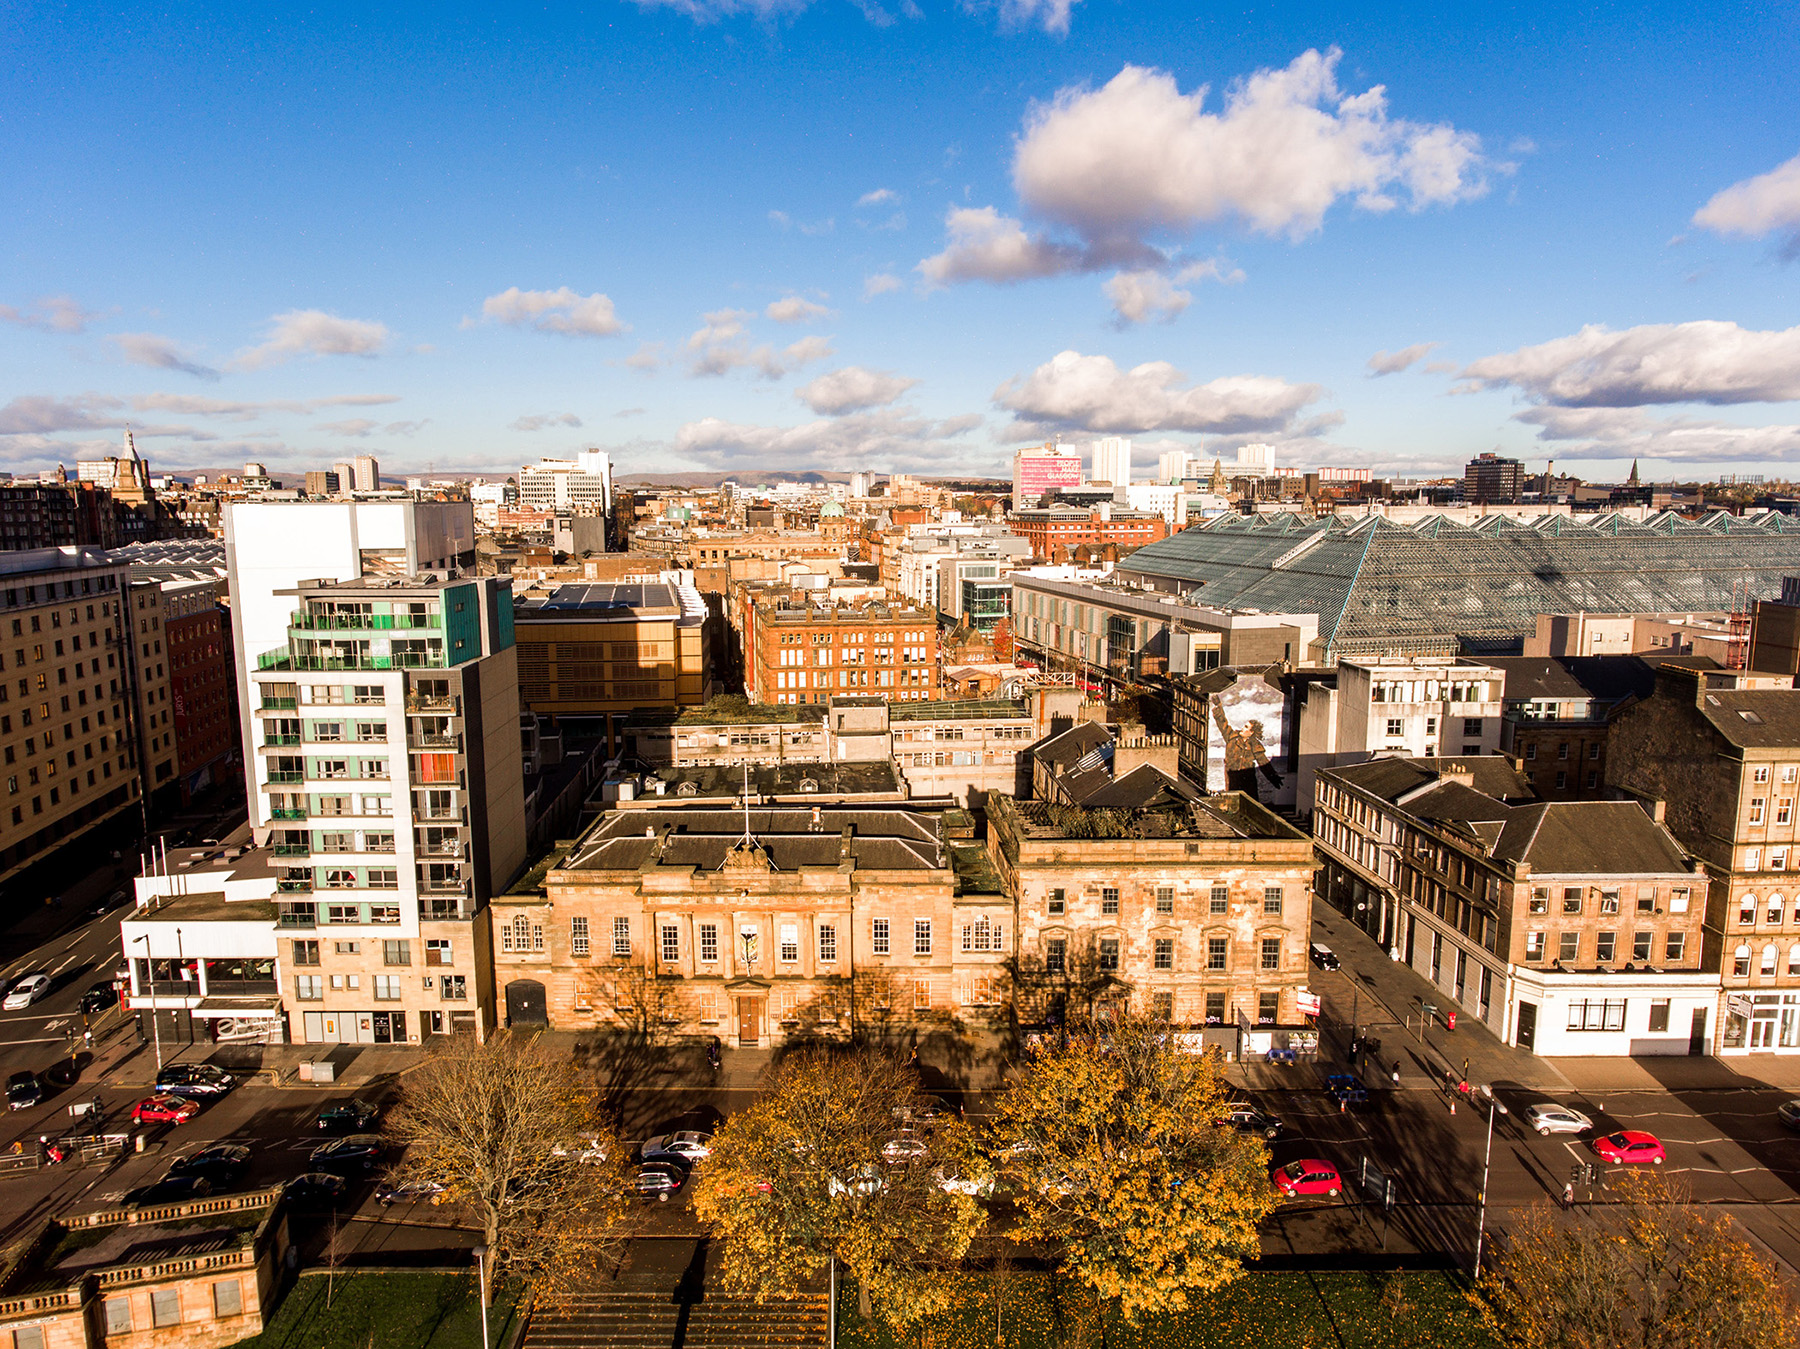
x: 400, y: 660
x: 292, y: 849
x: 273, y: 741
x: 288, y: 887
x: 311, y: 622
x: 297, y: 920
x: 287, y: 775
x: 287, y: 813
x: 278, y: 704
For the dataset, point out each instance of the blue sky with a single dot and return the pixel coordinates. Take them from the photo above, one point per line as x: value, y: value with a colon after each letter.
x: 780, y: 234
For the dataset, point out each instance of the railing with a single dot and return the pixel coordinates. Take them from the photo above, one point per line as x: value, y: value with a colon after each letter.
x: 442, y: 910
x: 286, y: 775
x: 310, y: 622
x: 402, y: 660
x: 297, y: 920
x: 164, y: 1269
x: 279, y: 738
x: 432, y: 702
x: 434, y: 741
x: 61, y: 1299
x: 190, y: 1208
x: 294, y: 887
x: 453, y: 848
x: 439, y: 813
x: 292, y: 849
x: 279, y: 704
x: 286, y: 813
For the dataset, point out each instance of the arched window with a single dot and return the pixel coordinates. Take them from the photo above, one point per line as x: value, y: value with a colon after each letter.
x: 1775, y: 907
x: 1747, y: 910
x: 1740, y: 960
x: 1794, y: 958
x: 1768, y: 958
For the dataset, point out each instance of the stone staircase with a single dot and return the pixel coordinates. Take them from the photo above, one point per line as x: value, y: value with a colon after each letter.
x: 625, y: 1317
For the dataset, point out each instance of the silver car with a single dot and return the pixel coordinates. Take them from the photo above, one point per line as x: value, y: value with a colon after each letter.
x: 689, y: 1145
x: 1549, y: 1118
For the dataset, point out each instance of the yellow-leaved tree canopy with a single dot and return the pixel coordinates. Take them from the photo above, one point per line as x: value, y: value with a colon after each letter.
x: 1108, y: 1144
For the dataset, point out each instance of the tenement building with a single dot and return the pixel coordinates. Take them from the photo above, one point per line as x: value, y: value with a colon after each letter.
x: 1727, y: 760
x: 796, y: 651
x: 1566, y: 927
x: 755, y: 925
x: 1196, y: 912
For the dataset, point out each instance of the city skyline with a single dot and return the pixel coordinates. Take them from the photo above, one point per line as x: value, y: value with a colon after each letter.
x: 675, y: 231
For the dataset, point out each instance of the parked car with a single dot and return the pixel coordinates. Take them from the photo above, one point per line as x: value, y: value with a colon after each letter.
x: 389, y: 1193
x: 349, y: 1117
x: 221, y: 1164
x: 1629, y: 1147
x: 169, y: 1190
x: 98, y: 998
x: 1788, y: 1112
x: 1306, y: 1177
x: 583, y: 1148
x: 1247, y: 1119
x: 981, y: 1184
x: 1547, y: 1117
x: 661, y: 1177
x: 194, y: 1079
x: 315, y: 1190
x: 357, y: 1152
x: 905, y: 1148
x: 164, y: 1109
x: 23, y: 1090
x: 1323, y: 956
x: 27, y: 991
x: 862, y: 1182
x: 688, y: 1146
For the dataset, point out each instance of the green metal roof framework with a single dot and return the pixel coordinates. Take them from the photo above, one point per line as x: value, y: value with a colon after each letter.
x: 1375, y: 584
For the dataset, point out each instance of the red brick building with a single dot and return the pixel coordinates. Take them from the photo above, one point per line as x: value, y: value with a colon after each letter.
x: 1055, y: 531
x: 797, y: 651
x: 202, y: 686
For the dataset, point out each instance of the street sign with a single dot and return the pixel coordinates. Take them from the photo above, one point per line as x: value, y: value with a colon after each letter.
x: 1307, y: 1002
x: 1738, y: 1004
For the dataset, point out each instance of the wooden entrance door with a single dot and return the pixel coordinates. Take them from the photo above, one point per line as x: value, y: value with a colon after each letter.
x: 749, y: 1012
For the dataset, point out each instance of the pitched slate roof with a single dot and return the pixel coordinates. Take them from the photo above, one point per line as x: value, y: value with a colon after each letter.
x: 1754, y: 718
x: 790, y: 837
x: 1588, y: 838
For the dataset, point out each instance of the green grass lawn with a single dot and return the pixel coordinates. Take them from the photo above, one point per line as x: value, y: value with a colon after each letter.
x: 1258, y: 1311
x: 409, y: 1310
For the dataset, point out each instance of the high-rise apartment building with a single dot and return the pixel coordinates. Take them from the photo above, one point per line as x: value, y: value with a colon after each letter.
x: 65, y: 700
x: 322, y: 483
x: 1112, y: 461
x: 368, y: 473
x: 273, y: 547
x: 386, y: 784
x: 1043, y: 468
x: 346, y: 476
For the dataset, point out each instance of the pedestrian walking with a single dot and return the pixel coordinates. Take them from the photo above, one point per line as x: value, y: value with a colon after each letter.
x: 1396, y: 1072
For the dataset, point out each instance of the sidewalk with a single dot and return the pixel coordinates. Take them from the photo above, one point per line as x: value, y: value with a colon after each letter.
x: 1370, y: 978
x: 126, y: 1063
x: 1763, y: 1072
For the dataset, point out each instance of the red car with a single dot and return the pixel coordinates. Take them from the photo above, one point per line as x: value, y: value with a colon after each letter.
x: 1308, y: 1176
x: 1629, y: 1145
x: 163, y: 1109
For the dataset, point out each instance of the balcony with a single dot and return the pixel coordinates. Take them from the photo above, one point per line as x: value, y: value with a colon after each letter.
x: 449, y: 848
x: 308, y: 622
x: 279, y: 704
x: 286, y: 813
x: 400, y: 660
x: 439, y: 813
x: 297, y: 920
x: 434, y: 740
x: 432, y: 702
x: 445, y: 910
x: 292, y: 849
x: 283, y: 739
x: 294, y: 887
x: 287, y: 775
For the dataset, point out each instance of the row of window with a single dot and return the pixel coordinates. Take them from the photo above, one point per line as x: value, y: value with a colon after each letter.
x: 1218, y: 900
x: 1606, y: 946
x: 438, y: 951
x: 1575, y: 897
x: 1766, y: 965
x: 1218, y: 954
x: 227, y: 1296
x: 311, y: 987
x: 1562, y: 753
x: 981, y: 934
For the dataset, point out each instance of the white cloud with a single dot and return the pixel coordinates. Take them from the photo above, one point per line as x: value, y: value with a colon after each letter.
x: 1139, y: 296
x: 1632, y: 433
x: 52, y: 313
x: 162, y: 353
x: 987, y: 246
x: 880, y: 283
x: 1705, y: 361
x: 1089, y: 393
x: 882, y: 440
x: 852, y: 389
x: 41, y: 414
x: 312, y: 332
x: 1393, y: 362
x: 1138, y: 156
x: 538, y: 421
x: 721, y: 345
x: 712, y: 11
x: 648, y: 357
x: 1766, y: 204
x: 193, y: 405
x: 355, y: 427
x: 794, y: 309
x: 555, y: 311
x: 1050, y: 15
x: 878, y: 197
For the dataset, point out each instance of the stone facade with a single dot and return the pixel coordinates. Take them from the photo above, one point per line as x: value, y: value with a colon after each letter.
x: 696, y: 920
x: 1201, y: 916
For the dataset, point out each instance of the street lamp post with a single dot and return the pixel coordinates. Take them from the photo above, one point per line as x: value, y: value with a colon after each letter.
x: 1494, y: 1105
x: 155, y: 1030
x: 481, y: 1273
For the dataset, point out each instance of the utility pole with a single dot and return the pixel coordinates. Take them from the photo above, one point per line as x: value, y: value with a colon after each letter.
x: 1494, y: 1105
